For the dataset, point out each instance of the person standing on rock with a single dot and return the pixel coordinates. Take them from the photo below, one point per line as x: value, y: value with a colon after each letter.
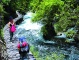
x: 11, y: 25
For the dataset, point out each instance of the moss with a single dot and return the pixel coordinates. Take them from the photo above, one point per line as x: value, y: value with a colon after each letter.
x: 33, y: 50
x: 53, y: 56
x: 70, y: 33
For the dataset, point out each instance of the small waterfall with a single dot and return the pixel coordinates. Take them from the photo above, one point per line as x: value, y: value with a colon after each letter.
x: 28, y: 29
x: 31, y: 31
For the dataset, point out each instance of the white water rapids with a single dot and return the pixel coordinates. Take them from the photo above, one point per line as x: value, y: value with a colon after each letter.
x: 31, y: 31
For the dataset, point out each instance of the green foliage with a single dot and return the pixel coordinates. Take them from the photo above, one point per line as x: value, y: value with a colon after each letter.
x: 2, y: 4
x: 69, y: 40
x: 68, y: 17
x: 77, y: 23
x: 1, y: 32
x: 34, y: 52
x: 14, y: 5
x: 1, y: 35
x: 45, y: 11
x: 43, y: 29
x: 70, y: 33
x: 5, y: 2
x: 34, y: 5
x: 62, y: 24
x: 45, y: 7
x: 53, y: 56
x: 1, y: 8
x: 64, y: 13
x: 58, y: 56
x: 19, y: 5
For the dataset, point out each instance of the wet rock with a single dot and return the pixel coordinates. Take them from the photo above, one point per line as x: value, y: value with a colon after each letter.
x: 48, y: 31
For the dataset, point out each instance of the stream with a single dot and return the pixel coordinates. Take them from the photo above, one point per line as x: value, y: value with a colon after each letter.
x: 34, y: 37
x: 32, y: 34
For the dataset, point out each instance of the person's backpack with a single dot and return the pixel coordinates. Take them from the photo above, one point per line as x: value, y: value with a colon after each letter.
x: 12, y: 28
x: 23, y: 46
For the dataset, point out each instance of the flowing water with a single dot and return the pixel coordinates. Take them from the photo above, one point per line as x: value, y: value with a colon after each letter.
x: 31, y: 31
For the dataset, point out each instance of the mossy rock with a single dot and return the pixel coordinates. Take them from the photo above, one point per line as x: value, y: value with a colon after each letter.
x: 48, y: 31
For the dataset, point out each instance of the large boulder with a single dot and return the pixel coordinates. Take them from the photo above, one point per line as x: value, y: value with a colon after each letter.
x: 48, y: 31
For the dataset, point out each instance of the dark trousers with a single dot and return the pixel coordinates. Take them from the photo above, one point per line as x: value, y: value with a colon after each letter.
x: 11, y: 35
x: 23, y: 54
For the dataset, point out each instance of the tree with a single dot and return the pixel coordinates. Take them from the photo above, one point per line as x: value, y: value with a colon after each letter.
x: 45, y: 11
